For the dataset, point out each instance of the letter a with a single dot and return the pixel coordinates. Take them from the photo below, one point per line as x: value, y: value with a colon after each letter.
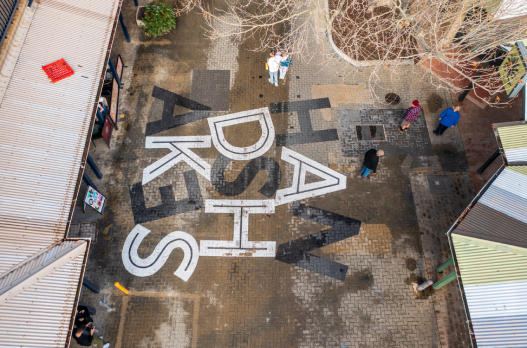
x: 332, y: 182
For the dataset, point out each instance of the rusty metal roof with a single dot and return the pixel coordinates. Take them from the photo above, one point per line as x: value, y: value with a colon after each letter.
x: 45, y: 135
x: 37, y: 298
x: 46, y: 124
x: 489, y: 224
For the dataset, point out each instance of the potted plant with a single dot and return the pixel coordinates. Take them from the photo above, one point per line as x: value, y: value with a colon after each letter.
x: 156, y: 20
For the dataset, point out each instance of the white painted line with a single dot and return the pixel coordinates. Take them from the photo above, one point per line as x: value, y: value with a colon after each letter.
x: 153, y: 263
x: 240, y: 246
x: 333, y: 181
x: 265, y: 142
x: 180, y: 152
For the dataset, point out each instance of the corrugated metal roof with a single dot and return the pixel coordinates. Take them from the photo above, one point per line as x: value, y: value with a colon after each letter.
x: 36, y: 261
x: 513, y: 136
x: 45, y: 125
x: 508, y: 194
x: 501, y: 331
x: 486, y: 223
x: 485, y: 262
x: 490, y: 243
x: 40, y: 315
x: 513, y: 139
x: 518, y: 169
x: 506, y: 202
x: 512, y: 182
x: 497, y: 300
x: 498, y: 314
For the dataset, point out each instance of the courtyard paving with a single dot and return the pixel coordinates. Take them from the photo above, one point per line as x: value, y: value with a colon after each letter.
x: 276, y: 245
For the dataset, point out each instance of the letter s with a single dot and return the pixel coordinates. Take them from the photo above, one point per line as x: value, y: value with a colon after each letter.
x: 153, y: 263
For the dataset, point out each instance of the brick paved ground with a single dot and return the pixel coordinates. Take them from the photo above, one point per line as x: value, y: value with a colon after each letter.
x: 296, y: 300
x: 478, y: 136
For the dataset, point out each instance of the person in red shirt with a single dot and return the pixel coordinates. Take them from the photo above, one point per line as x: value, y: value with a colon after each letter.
x: 409, y: 116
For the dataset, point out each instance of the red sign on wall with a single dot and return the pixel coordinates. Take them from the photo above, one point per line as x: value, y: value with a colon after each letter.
x: 107, y: 131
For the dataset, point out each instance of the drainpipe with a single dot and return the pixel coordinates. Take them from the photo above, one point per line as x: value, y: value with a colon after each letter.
x: 13, y: 51
x: 524, y: 103
x: 445, y: 280
x: 445, y: 264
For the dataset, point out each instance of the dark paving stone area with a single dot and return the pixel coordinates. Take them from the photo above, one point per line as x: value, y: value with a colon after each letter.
x: 169, y: 206
x: 246, y: 176
x: 414, y: 142
x: 306, y: 135
x: 168, y: 120
x: 296, y: 252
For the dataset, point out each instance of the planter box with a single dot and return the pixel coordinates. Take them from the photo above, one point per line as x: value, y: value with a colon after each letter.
x: 140, y: 15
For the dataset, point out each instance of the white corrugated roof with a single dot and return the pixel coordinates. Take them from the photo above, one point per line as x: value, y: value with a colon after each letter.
x: 512, y: 9
x: 513, y: 141
x: 44, y: 125
x: 37, y: 298
x: 493, y: 273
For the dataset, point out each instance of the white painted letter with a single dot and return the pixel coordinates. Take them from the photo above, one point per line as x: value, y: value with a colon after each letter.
x: 180, y: 152
x: 265, y: 142
x: 332, y: 182
x: 240, y: 246
x: 153, y: 263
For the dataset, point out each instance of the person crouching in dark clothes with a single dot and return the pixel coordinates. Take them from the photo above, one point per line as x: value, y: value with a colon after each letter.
x: 82, y: 316
x: 371, y: 160
x: 83, y: 335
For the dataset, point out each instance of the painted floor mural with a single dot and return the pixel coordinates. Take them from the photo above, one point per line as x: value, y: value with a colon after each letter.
x: 295, y: 252
x: 236, y: 215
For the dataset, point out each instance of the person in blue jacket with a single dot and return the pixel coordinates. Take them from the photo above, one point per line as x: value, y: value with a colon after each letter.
x: 448, y: 119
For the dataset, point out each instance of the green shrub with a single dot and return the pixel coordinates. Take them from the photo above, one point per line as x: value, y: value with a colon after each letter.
x: 159, y: 19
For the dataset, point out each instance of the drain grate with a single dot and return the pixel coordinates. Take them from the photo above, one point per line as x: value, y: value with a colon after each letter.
x: 437, y: 183
x: 370, y: 132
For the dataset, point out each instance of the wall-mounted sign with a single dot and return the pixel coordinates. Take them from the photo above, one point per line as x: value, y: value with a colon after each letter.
x: 513, y: 70
x: 114, y: 105
x: 107, y: 131
x: 94, y: 199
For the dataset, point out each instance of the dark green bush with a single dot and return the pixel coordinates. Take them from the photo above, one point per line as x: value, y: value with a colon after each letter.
x: 158, y: 20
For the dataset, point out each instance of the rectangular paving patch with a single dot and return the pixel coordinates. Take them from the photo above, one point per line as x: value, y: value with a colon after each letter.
x: 211, y: 88
x: 414, y: 142
x: 370, y: 132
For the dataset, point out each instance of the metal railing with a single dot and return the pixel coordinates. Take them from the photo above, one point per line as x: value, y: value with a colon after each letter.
x: 7, y: 10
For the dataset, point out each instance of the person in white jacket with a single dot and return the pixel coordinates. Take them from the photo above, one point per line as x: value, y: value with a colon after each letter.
x: 274, y: 64
x: 284, y: 65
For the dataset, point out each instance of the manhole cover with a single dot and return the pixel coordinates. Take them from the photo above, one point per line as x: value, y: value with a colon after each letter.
x: 392, y: 99
x: 372, y: 132
x: 437, y: 183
